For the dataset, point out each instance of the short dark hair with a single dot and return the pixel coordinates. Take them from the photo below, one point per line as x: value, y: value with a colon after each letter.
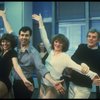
x: 93, y: 30
x: 11, y: 38
x: 63, y: 39
x: 25, y: 29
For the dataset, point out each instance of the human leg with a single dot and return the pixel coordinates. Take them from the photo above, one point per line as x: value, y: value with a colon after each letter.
x: 97, y: 92
x: 78, y: 92
x: 47, y: 92
x: 3, y: 90
x: 20, y: 90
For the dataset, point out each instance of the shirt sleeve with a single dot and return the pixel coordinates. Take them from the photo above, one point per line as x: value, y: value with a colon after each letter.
x: 44, y: 38
x: 71, y: 64
x: 13, y: 53
x: 38, y: 64
x: 77, y: 55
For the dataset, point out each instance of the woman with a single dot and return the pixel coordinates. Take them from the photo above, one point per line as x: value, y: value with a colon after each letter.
x: 43, y: 52
x: 8, y: 60
x: 57, y: 60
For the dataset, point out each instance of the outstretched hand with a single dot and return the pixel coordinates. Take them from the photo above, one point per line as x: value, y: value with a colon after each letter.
x: 2, y: 12
x: 96, y: 80
x: 36, y: 17
x: 59, y: 87
x: 29, y: 85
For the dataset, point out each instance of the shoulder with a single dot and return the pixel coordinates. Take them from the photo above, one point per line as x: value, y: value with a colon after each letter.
x: 12, y: 53
x: 82, y: 45
x: 65, y: 55
x: 33, y: 50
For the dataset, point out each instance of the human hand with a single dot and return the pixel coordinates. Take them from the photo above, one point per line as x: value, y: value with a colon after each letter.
x: 85, y: 68
x: 39, y: 19
x: 36, y: 17
x: 96, y: 80
x: 29, y: 85
x: 2, y: 12
x: 59, y: 87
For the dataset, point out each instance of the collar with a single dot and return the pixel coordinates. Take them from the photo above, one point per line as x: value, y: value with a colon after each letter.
x: 26, y: 50
x: 96, y: 47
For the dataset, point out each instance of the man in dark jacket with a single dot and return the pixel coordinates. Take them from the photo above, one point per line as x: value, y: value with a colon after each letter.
x: 81, y: 85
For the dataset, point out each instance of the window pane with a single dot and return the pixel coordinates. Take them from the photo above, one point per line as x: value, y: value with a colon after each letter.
x: 71, y: 10
x: 95, y: 24
x: 94, y: 9
x: 74, y: 32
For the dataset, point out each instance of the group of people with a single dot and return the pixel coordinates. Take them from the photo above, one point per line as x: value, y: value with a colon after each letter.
x: 57, y: 51
x: 26, y: 58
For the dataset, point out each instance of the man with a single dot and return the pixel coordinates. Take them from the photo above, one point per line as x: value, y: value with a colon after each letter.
x: 80, y: 85
x: 29, y: 59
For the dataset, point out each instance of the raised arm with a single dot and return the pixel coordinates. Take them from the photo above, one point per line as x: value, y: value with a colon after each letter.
x: 43, y: 32
x: 6, y: 23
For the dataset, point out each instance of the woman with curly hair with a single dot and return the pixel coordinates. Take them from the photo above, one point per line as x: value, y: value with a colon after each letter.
x: 8, y: 60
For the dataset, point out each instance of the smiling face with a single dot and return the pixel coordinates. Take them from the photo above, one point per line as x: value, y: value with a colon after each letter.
x: 24, y: 38
x: 92, y: 39
x: 58, y: 46
x: 5, y: 44
x: 60, y: 43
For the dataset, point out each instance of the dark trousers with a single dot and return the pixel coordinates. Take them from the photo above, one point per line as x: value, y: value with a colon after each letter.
x: 20, y: 90
x: 97, y: 92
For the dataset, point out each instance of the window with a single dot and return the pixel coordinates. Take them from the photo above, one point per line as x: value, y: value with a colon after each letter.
x: 74, y: 33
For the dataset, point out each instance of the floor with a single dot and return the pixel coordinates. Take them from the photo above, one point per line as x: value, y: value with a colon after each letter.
x: 92, y: 96
x: 36, y: 92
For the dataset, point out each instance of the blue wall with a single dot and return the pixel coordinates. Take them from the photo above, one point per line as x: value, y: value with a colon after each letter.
x: 45, y: 8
